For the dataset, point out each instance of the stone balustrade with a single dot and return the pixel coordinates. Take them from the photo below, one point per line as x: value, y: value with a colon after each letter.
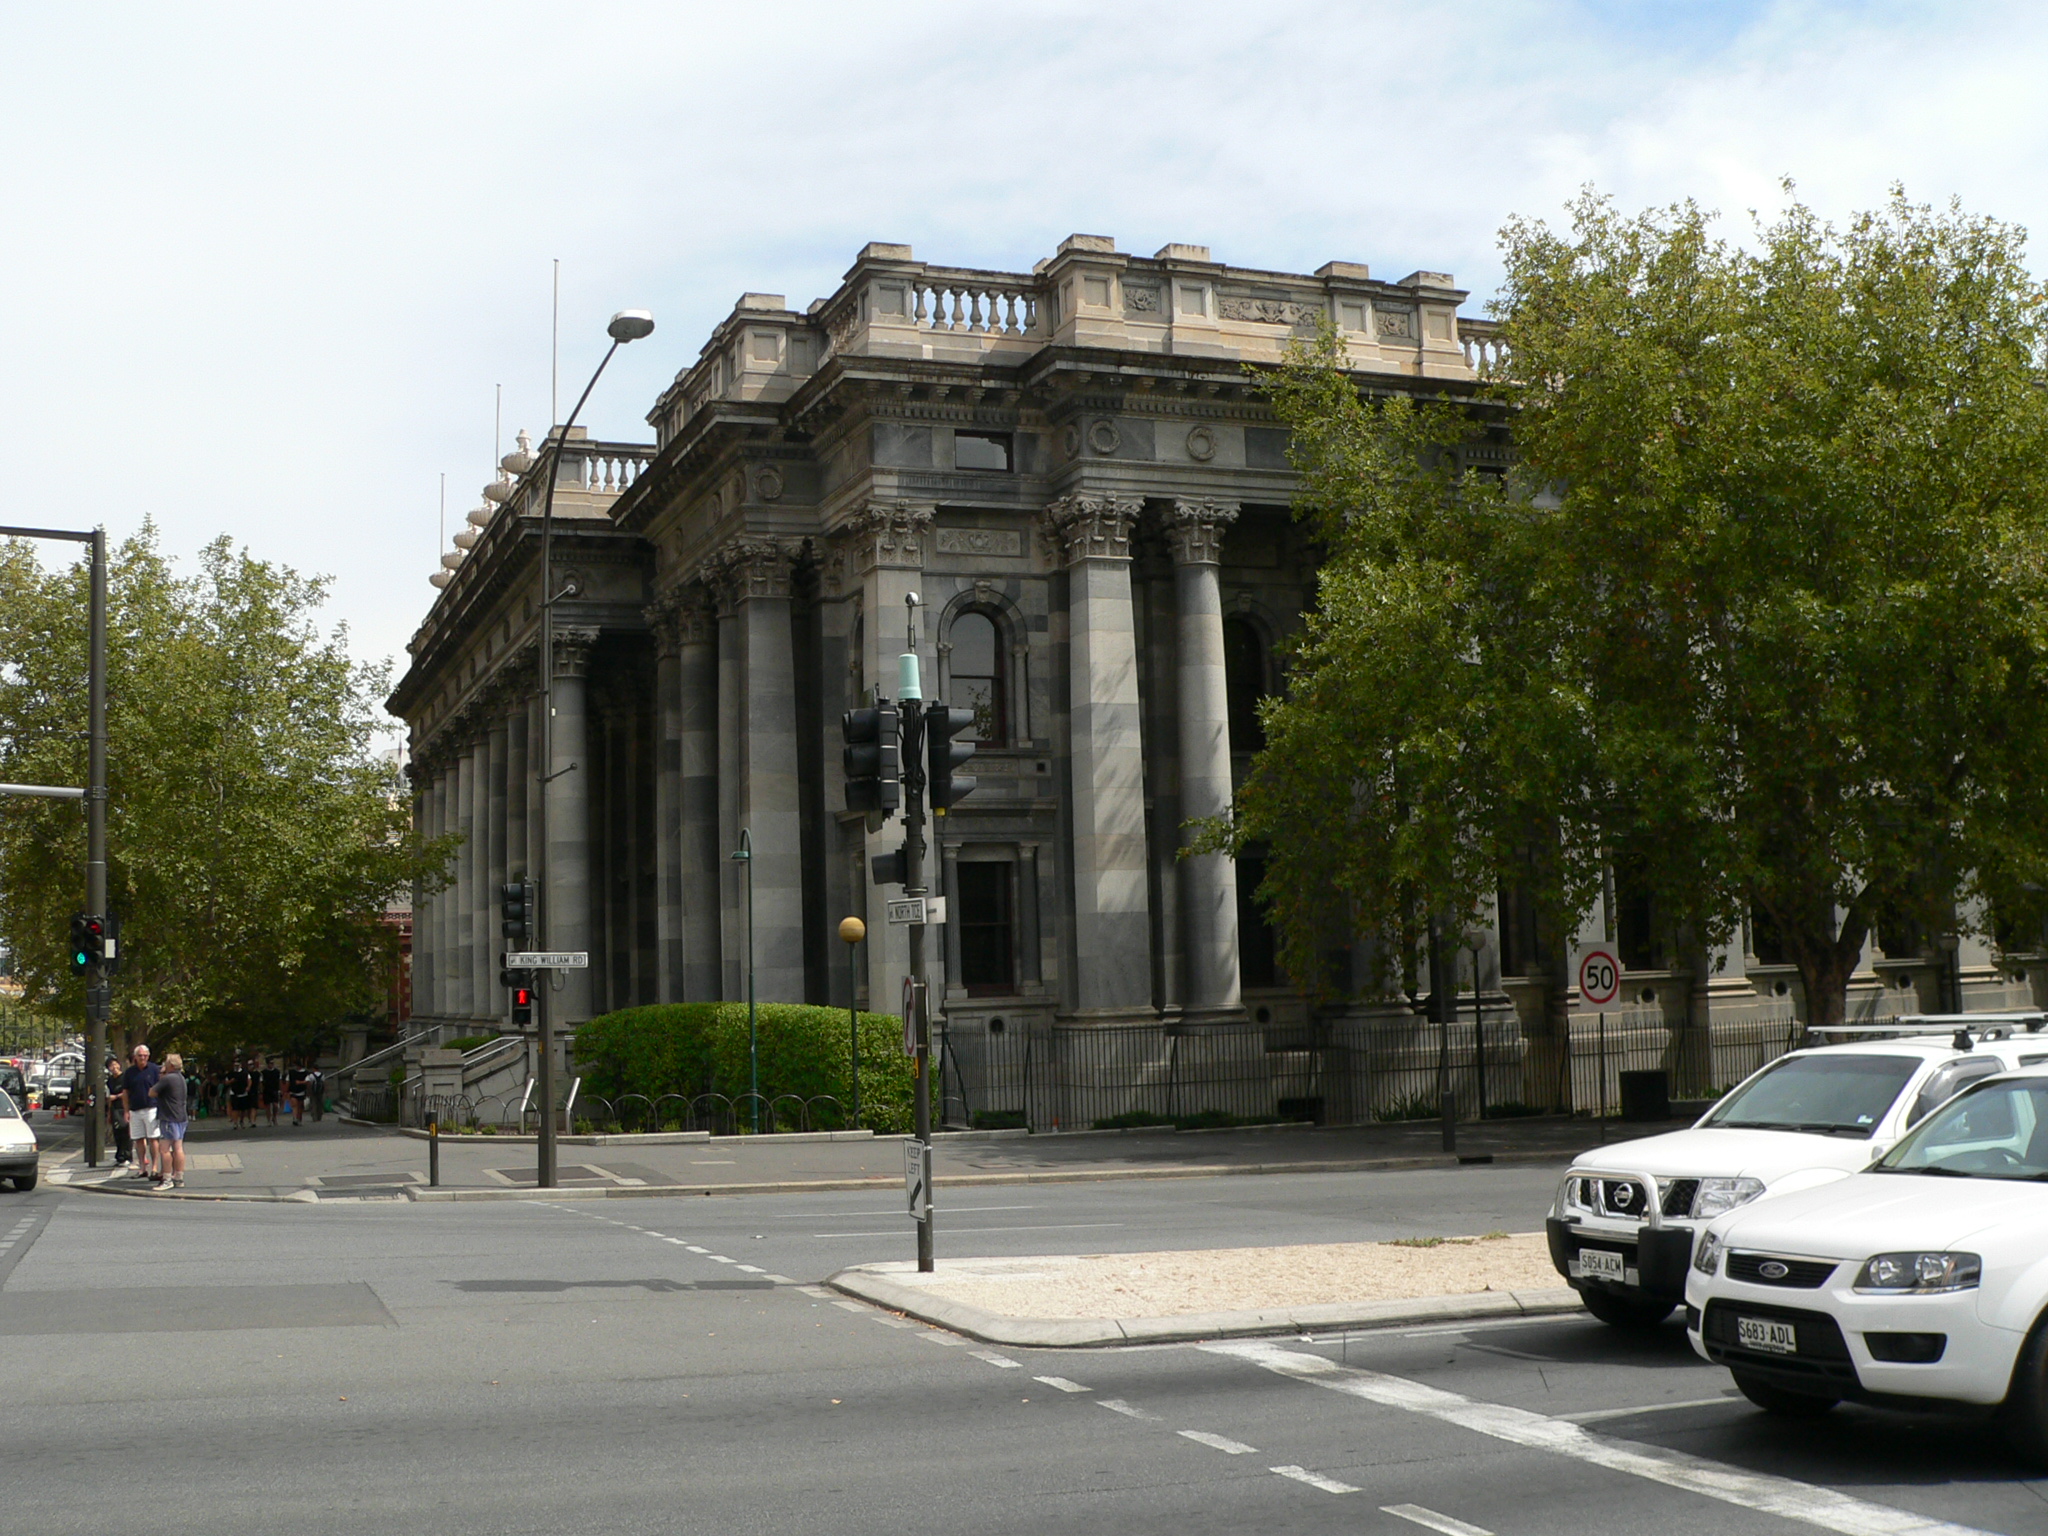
x: 1486, y: 354
x: 984, y: 303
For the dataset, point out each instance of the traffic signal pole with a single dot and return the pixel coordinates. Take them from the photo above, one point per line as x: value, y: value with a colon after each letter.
x: 911, y: 736
x: 98, y: 992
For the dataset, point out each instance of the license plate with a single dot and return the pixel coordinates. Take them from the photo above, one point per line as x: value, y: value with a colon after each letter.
x: 1600, y: 1264
x: 1764, y: 1334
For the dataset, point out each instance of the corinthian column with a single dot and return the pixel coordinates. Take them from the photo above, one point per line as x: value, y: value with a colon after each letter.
x: 568, y: 811
x: 697, y: 679
x: 757, y: 575
x: 1194, y: 532
x: 1112, y: 962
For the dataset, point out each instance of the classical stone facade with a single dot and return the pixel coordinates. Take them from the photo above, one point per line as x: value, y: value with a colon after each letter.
x: 1075, y: 470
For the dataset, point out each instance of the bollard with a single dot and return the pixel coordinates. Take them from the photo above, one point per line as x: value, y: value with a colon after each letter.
x: 1448, y: 1106
x: 434, y: 1151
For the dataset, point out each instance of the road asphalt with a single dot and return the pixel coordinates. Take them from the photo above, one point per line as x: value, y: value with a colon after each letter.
x: 673, y: 1364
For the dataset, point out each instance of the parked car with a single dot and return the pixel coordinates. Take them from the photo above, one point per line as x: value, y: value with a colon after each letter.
x: 1622, y: 1228
x: 19, y: 1157
x: 1921, y: 1282
x: 57, y: 1090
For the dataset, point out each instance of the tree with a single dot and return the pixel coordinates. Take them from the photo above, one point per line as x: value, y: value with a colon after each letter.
x: 1805, y: 512
x: 254, y: 835
x: 1763, y: 622
x: 1431, y: 736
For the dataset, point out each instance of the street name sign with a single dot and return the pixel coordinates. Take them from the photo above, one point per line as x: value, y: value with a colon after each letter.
x: 916, y: 910
x: 1599, y: 976
x: 547, y: 960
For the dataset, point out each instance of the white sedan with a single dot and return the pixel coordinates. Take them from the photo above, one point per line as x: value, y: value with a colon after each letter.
x: 18, y: 1155
x: 1922, y: 1282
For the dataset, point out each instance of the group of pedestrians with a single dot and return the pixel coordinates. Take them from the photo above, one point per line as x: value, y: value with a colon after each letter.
x: 257, y: 1085
x: 150, y: 1106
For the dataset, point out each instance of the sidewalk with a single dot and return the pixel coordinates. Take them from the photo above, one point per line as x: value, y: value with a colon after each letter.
x: 336, y: 1160
x: 1082, y: 1300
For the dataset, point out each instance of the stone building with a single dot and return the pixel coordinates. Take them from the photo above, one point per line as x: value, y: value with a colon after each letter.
x: 1074, y: 470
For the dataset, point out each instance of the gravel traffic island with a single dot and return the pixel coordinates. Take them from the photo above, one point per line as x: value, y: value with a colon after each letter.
x: 1122, y: 1298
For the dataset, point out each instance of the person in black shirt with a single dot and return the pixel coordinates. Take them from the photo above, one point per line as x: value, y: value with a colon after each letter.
x: 273, y: 1089
x: 241, y: 1095
x: 295, y: 1084
x: 117, y: 1113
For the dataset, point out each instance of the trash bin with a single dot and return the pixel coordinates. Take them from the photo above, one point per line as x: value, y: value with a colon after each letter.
x: 1645, y: 1095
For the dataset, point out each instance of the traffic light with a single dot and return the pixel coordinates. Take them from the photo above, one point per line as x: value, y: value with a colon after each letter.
x: 944, y: 755
x: 891, y: 868
x: 88, y: 942
x: 522, y: 1005
x: 873, y: 761
x: 517, y: 900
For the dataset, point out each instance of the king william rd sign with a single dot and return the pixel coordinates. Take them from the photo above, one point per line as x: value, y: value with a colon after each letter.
x: 547, y: 960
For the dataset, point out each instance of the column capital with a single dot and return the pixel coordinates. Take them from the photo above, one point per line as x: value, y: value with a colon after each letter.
x: 1093, y: 526
x: 679, y: 617
x: 889, y: 535
x: 572, y: 651
x: 1194, y: 529
x: 751, y: 568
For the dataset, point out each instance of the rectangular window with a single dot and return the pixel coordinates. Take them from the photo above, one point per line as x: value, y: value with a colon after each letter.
x: 987, y: 948
x: 982, y: 450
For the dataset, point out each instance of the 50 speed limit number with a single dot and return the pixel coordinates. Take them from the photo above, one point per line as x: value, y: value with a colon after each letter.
x: 1599, y: 977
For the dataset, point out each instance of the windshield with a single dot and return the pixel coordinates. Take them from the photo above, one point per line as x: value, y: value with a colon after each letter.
x: 1997, y: 1131
x: 1828, y: 1094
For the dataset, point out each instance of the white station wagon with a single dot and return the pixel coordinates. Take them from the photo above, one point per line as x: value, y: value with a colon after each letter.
x: 1920, y: 1283
x: 1622, y: 1228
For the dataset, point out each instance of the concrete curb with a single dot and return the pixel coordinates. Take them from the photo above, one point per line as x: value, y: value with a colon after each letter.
x: 867, y: 1284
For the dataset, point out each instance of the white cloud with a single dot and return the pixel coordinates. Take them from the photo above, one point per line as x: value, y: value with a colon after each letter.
x: 262, y: 267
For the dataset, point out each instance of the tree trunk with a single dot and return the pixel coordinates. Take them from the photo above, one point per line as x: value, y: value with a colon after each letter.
x: 1826, y: 955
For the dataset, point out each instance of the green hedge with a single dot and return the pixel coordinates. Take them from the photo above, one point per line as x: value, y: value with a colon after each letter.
x: 693, y: 1048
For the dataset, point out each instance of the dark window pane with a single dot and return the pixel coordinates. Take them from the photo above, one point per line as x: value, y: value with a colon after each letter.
x: 985, y: 938
x: 1244, y: 682
x: 976, y: 679
x: 1257, y: 965
x: 981, y: 450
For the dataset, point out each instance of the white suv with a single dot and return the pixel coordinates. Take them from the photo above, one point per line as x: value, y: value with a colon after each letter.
x: 1922, y: 1282
x: 1621, y: 1230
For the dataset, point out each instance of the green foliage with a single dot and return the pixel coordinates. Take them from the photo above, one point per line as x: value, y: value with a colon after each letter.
x: 693, y: 1048
x: 1423, y: 1104
x: 1760, y: 616
x: 254, y: 835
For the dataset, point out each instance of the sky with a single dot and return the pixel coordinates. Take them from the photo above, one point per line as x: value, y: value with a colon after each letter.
x: 266, y: 269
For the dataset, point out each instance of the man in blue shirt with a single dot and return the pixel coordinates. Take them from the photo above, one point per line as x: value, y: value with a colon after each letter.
x: 135, y: 1085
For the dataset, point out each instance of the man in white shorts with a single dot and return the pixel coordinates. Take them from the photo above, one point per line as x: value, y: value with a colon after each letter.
x: 136, y: 1083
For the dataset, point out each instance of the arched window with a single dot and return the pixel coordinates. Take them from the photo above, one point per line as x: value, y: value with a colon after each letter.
x: 1244, y: 683
x: 976, y: 676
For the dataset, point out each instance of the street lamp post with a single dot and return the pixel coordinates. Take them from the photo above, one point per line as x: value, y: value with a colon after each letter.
x: 744, y: 857
x: 627, y: 325
x: 853, y: 930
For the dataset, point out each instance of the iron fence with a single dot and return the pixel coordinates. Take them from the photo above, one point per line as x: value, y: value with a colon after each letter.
x: 1351, y: 1071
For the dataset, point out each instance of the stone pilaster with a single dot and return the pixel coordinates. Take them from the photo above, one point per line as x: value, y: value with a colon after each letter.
x: 1112, y: 968
x: 668, y: 799
x: 566, y: 907
x: 494, y: 1003
x: 1208, y: 882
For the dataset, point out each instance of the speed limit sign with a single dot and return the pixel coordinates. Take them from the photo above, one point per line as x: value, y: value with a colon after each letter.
x: 1599, y: 976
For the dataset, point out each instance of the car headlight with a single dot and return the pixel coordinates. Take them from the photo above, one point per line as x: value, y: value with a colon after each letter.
x: 1707, y: 1257
x: 1718, y: 1195
x: 1920, y: 1274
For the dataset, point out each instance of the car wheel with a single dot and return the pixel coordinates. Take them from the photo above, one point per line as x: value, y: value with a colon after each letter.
x: 24, y: 1182
x: 1776, y: 1400
x: 2024, y: 1413
x: 1626, y: 1311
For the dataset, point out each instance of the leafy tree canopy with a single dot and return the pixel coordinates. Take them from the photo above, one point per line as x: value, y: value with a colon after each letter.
x: 1762, y: 615
x: 254, y: 836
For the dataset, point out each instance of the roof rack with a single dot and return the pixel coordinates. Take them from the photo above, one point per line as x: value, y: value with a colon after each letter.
x: 1986, y: 1026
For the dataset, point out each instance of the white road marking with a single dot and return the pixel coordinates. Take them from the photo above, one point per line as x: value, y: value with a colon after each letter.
x: 713, y: 1162
x: 1064, y: 1226
x: 695, y: 1249
x: 849, y: 1306
x: 1062, y: 1384
x: 1433, y: 1520
x: 947, y: 1339
x: 818, y: 1291
x: 1601, y: 1415
x: 894, y: 1210
x: 1221, y: 1443
x: 1313, y: 1479
x: 751, y: 1269
x: 1003, y: 1361
x: 893, y: 1322
x: 719, y: 1258
x: 677, y: 1241
x: 1782, y: 1496
x: 1118, y: 1405
x: 782, y: 1280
